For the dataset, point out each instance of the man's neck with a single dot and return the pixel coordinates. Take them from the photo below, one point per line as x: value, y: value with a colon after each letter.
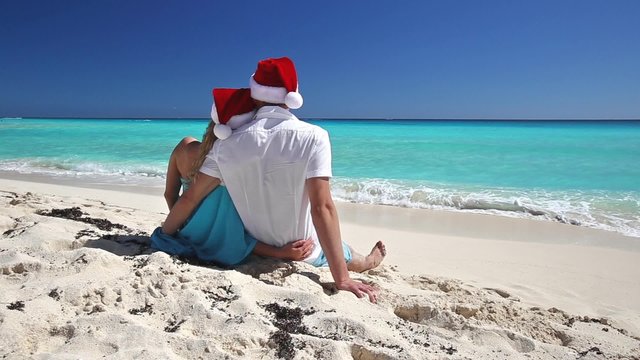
x: 274, y: 111
x: 270, y: 104
x: 283, y: 107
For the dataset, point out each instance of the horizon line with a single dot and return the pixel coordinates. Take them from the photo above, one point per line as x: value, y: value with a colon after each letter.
x: 325, y: 118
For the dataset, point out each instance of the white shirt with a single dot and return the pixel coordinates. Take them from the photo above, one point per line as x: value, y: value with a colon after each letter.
x: 264, y: 165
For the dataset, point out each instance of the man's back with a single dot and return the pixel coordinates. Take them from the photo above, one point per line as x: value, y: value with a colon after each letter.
x: 265, y: 165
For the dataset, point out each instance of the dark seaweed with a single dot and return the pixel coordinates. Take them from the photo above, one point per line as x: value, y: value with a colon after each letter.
x: 173, y: 326
x: 18, y: 305
x: 449, y: 350
x: 76, y: 214
x: 55, y: 294
x: 146, y: 309
x: 288, y: 321
x: 593, y: 349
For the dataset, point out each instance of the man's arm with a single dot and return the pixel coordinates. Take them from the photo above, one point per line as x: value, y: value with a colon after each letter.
x: 201, y: 186
x: 296, y: 251
x: 325, y: 220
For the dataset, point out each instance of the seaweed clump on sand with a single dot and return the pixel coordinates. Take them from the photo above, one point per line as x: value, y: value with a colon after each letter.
x: 148, y: 308
x: 449, y: 350
x: 55, y: 294
x: 76, y: 214
x: 288, y: 321
x: 174, y: 325
x: 594, y: 349
x: 18, y: 305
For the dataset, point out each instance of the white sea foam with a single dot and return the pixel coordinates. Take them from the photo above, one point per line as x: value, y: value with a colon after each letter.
x: 613, y: 211
x: 109, y: 173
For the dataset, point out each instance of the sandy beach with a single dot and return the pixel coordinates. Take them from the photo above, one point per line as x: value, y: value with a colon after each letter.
x: 83, y: 283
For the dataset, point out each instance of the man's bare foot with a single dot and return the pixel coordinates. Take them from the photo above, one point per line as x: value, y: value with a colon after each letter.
x: 361, y: 263
x: 376, y: 255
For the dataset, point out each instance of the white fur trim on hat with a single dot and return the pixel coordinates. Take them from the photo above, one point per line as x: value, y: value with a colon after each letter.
x: 275, y: 95
x: 237, y: 121
x: 214, y: 113
x: 293, y: 100
x: 222, y: 131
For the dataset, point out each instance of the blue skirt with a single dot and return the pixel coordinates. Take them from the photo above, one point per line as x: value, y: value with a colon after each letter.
x: 214, y: 233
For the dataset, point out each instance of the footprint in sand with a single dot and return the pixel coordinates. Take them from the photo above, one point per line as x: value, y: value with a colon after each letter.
x: 17, y: 229
x: 359, y: 352
x: 416, y: 313
x: 13, y: 262
x: 500, y: 292
x: 516, y: 341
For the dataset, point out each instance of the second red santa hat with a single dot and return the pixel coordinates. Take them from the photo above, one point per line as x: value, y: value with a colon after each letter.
x: 275, y: 81
x: 231, y: 109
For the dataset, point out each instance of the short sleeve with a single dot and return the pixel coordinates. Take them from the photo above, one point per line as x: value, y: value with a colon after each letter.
x: 320, y: 160
x: 210, y: 165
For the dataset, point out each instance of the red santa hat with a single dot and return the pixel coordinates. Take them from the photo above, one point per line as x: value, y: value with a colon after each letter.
x: 275, y: 81
x: 231, y: 109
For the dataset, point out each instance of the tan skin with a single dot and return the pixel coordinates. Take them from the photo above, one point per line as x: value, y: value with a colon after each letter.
x: 180, y: 162
x: 325, y: 220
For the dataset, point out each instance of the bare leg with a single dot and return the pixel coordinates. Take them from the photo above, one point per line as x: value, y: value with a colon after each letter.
x: 361, y: 263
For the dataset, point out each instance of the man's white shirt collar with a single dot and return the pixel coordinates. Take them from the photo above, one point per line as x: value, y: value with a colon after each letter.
x: 272, y: 112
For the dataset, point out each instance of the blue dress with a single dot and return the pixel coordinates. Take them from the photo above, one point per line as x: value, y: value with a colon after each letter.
x: 213, y: 233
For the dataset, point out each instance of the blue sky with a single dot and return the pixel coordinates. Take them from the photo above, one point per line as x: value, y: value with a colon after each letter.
x: 367, y: 59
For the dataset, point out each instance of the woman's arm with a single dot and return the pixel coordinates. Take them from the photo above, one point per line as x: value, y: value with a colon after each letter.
x: 201, y: 186
x: 172, y: 185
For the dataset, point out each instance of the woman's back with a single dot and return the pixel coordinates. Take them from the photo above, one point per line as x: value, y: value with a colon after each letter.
x: 180, y: 168
x: 186, y: 155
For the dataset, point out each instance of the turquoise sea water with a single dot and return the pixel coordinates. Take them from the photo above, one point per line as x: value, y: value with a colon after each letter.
x: 581, y: 172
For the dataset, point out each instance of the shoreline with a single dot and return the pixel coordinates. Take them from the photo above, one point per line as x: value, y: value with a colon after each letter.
x: 436, y: 221
x: 519, y: 263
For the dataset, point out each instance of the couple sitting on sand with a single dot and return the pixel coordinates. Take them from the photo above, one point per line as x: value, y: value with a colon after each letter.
x: 275, y: 169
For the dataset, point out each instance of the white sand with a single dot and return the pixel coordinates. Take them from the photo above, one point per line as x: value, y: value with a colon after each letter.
x: 523, y: 289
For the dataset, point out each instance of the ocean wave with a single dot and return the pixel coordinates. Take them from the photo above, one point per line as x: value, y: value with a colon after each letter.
x: 75, y: 168
x: 607, y: 210
x: 612, y: 211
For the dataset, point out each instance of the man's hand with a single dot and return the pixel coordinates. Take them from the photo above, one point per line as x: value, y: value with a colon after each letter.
x: 297, y: 250
x: 359, y: 289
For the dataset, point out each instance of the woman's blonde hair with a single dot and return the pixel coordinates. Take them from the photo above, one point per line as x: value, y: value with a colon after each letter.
x: 207, y: 143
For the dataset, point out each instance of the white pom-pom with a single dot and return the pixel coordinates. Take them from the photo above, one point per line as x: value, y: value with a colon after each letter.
x: 222, y: 131
x: 293, y: 100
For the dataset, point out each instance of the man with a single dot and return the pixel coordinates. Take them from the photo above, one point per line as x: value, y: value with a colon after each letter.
x: 277, y: 171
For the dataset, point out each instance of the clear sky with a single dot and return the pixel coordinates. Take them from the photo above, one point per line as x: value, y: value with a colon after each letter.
x: 367, y: 59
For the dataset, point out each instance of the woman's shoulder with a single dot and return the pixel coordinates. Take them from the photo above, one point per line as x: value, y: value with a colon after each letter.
x: 184, y: 145
x: 188, y: 141
x: 187, y: 145
x: 185, y: 153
